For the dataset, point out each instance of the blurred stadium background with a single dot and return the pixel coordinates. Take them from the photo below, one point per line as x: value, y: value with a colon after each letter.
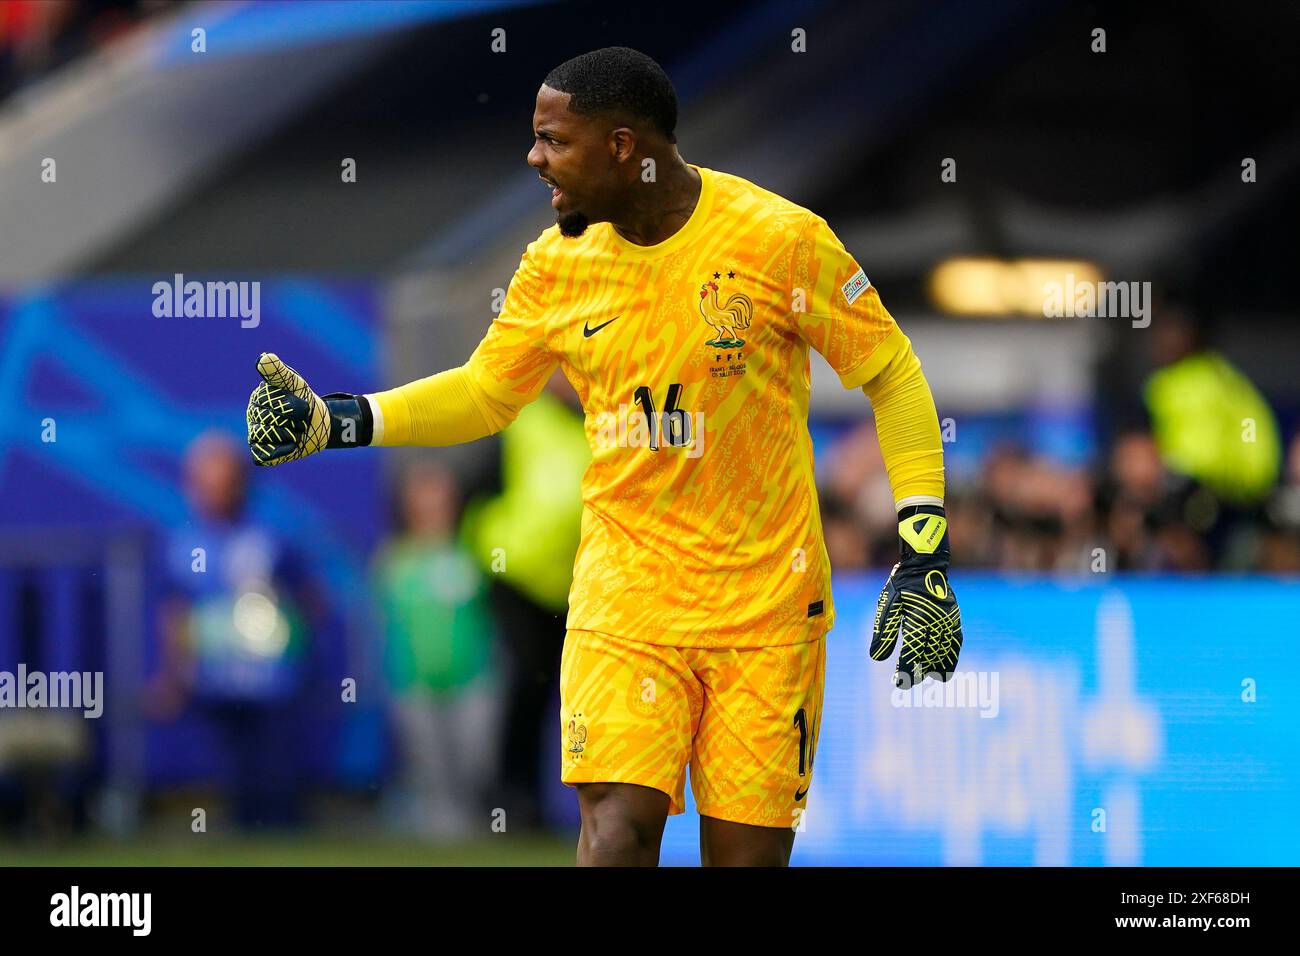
x: 1124, y: 491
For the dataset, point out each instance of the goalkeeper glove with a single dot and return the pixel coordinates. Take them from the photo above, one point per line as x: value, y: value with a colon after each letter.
x: 288, y: 421
x: 917, y: 609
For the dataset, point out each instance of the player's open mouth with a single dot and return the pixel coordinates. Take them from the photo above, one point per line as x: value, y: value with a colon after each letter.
x: 556, y: 192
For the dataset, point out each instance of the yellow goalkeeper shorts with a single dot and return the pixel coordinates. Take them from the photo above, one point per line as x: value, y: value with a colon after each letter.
x: 744, y: 719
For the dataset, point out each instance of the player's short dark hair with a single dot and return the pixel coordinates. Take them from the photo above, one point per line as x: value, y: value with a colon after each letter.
x: 618, y: 79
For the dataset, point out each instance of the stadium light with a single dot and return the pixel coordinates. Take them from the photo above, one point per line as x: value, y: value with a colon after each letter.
x: 999, y: 288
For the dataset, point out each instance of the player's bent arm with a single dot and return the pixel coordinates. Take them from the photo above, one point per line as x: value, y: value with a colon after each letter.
x: 448, y: 408
x: 850, y: 327
x: 907, y: 426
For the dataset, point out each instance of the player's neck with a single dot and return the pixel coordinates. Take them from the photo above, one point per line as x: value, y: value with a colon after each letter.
x: 660, y: 208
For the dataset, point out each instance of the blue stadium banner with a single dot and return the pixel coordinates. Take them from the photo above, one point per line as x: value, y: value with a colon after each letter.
x: 1118, y: 722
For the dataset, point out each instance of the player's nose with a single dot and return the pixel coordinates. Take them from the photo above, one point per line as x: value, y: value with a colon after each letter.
x: 535, y: 158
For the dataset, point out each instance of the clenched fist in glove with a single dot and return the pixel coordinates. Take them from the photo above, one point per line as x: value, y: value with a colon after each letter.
x: 288, y: 421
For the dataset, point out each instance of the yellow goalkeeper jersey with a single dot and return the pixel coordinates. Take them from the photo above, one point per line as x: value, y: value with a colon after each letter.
x: 700, y: 520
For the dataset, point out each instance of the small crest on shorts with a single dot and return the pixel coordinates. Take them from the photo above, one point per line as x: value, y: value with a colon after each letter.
x: 577, y: 734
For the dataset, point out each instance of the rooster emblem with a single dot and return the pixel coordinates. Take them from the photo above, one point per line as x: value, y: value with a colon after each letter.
x: 577, y: 736
x: 726, y: 318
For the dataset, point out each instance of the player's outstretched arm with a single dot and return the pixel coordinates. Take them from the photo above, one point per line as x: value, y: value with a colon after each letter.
x: 288, y: 421
x: 917, y: 612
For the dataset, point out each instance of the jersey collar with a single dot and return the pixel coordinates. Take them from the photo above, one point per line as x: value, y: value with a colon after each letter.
x: 692, y: 228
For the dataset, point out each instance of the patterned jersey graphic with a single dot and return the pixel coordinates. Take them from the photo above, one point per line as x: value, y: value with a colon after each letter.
x: 700, y: 523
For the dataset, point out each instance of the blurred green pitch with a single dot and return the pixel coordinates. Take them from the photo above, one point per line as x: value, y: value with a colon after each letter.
x: 294, y: 850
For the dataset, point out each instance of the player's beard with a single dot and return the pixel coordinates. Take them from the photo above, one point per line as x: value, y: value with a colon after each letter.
x: 572, y: 224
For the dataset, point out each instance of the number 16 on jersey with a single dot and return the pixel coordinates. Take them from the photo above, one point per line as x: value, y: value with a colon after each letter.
x: 674, y: 422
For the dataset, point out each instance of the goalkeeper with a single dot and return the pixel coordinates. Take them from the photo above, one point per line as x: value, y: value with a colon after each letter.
x: 682, y: 308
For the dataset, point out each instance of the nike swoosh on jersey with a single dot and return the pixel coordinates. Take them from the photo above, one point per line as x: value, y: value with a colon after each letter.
x: 588, y: 332
x: 800, y: 794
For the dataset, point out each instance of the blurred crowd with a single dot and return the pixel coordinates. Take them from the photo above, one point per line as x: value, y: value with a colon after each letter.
x: 1024, y: 512
x: 1195, y: 479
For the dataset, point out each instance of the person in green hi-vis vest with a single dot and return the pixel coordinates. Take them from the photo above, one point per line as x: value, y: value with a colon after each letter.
x: 438, y: 661
x: 1208, y: 420
x: 525, y: 538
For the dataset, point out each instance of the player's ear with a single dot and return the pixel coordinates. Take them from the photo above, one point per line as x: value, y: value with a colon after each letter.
x: 622, y: 144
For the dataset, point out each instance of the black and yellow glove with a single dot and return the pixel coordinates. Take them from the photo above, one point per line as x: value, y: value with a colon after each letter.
x: 917, y: 608
x: 288, y: 421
